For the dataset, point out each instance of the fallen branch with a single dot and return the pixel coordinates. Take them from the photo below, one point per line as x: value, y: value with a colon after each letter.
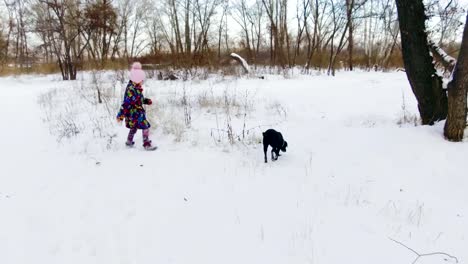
x: 419, y: 255
x: 241, y: 61
x: 441, y: 56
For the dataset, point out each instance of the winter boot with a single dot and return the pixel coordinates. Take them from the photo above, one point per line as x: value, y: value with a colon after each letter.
x: 129, y: 143
x: 147, y: 142
x: 147, y: 145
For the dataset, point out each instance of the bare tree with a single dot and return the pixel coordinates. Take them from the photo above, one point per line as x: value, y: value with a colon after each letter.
x: 205, y: 11
x: 338, y: 21
x: 154, y: 33
x: 303, y: 12
x: 392, y: 32
x: 164, y: 29
x: 457, y: 92
x: 324, y: 30
x: 312, y: 41
x: 17, y: 40
x: 222, y: 28
x: 3, y: 50
x: 175, y: 25
x: 449, y: 16
x: 426, y: 84
x: 185, y: 27
x: 240, y: 15
x: 134, y: 43
x: 352, y: 6
x: 188, y: 40
x: 123, y: 17
x: 100, y: 24
x: 11, y: 26
x: 192, y: 32
x: 349, y: 18
x: 276, y: 11
x: 256, y: 18
x: 64, y: 27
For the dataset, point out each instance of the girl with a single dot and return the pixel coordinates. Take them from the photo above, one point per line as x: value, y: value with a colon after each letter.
x: 132, y: 108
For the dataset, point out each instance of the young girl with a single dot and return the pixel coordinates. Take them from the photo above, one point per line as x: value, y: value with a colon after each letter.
x: 132, y: 108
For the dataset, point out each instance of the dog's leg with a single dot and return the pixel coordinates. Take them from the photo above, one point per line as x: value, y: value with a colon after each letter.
x: 273, y: 154
x: 265, y: 149
x: 277, y: 150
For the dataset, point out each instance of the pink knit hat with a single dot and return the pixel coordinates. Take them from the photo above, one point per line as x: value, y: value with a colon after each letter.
x: 137, y: 75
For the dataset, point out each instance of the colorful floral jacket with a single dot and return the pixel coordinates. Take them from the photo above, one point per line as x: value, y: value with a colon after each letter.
x: 132, y: 107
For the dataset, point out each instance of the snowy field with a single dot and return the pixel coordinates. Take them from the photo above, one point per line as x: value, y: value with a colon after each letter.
x: 358, y: 174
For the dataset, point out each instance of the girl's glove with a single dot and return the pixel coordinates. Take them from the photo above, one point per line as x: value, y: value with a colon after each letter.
x: 147, y: 101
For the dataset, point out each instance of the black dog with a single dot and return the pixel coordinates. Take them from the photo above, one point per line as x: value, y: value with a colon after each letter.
x: 276, y: 141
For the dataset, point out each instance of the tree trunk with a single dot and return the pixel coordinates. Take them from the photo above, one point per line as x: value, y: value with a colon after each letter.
x: 349, y: 15
x: 425, y: 83
x: 457, y: 88
x: 188, y: 41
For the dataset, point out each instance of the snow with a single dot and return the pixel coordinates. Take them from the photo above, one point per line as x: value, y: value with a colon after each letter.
x: 357, y: 174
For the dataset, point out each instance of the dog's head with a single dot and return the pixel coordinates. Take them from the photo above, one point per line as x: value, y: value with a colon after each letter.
x: 285, y: 145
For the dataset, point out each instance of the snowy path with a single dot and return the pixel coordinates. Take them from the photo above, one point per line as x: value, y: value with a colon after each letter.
x: 342, y: 189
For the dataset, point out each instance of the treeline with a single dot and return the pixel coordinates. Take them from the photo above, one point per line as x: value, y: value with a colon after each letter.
x: 68, y: 35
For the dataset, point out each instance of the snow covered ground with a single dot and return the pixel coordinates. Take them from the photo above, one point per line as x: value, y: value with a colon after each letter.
x: 356, y: 175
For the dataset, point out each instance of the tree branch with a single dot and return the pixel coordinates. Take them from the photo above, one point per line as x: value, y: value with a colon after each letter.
x: 424, y: 255
x: 441, y: 56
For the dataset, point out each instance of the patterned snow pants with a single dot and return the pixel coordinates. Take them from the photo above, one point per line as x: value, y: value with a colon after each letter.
x: 145, y: 132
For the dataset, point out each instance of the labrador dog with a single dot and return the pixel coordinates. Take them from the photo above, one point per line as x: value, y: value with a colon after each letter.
x: 274, y: 139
